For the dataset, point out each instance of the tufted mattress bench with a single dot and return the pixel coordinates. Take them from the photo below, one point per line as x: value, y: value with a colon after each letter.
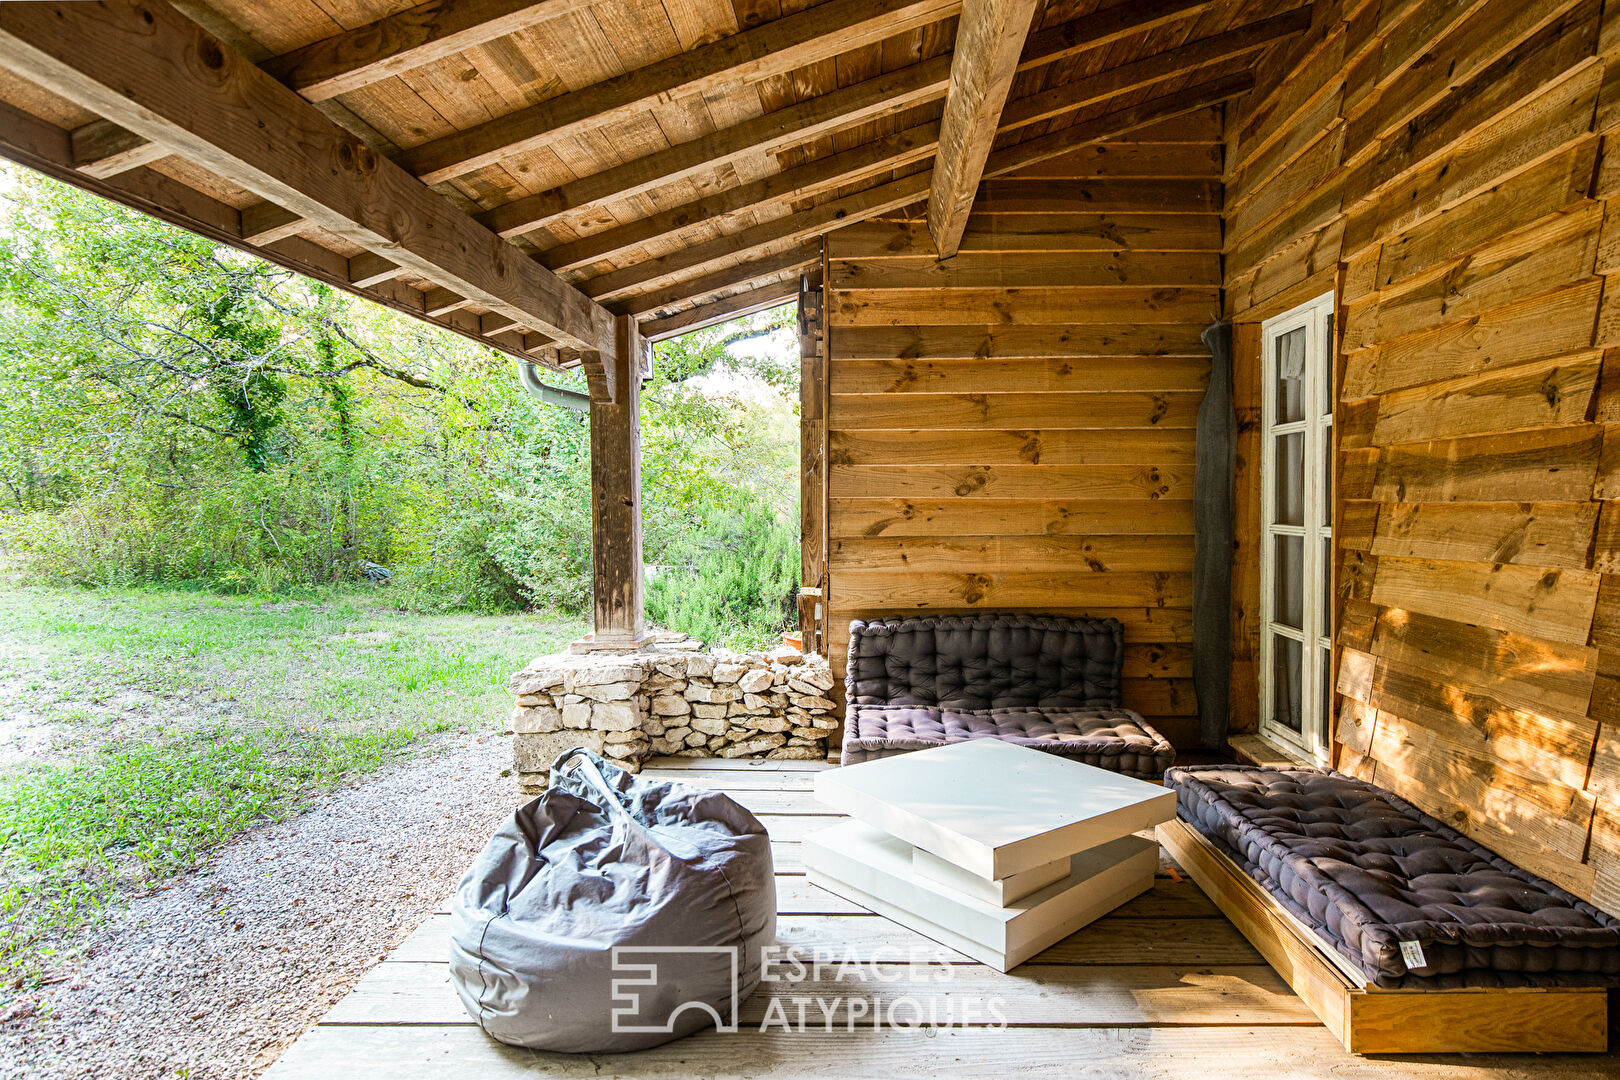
x: 1398, y: 902
x: 1046, y: 682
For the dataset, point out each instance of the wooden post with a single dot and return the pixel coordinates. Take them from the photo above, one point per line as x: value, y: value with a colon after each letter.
x: 620, y: 617
x: 812, y: 469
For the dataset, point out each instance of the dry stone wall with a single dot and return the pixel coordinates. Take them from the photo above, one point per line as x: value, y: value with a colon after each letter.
x: 670, y: 699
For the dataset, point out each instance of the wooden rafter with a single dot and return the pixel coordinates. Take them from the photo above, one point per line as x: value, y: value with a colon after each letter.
x: 989, y: 39
x: 1154, y: 68
x: 792, y: 260
x: 155, y: 72
x: 797, y: 124
x: 718, y: 311
x: 347, y: 61
x: 910, y: 190
x: 408, y: 40
x: 779, y: 46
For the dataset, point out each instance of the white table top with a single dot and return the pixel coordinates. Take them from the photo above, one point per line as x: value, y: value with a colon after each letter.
x: 994, y: 808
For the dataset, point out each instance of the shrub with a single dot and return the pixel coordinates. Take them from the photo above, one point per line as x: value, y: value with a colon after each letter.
x: 736, y: 585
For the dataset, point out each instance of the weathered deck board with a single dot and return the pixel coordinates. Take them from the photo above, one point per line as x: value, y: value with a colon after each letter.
x: 1164, y: 987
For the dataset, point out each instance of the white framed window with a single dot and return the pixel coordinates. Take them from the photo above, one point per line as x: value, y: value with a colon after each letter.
x: 1296, y: 527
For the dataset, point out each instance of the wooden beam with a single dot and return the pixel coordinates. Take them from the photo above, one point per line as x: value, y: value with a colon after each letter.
x: 1154, y: 68
x: 732, y: 277
x: 896, y: 194
x: 346, y: 61
x: 1113, y: 23
x: 989, y: 39
x: 732, y: 307
x: 774, y: 48
x: 151, y: 70
x: 884, y: 95
x: 407, y: 40
x: 804, y: 182
x: 617, y: 585
x: 366, y: 269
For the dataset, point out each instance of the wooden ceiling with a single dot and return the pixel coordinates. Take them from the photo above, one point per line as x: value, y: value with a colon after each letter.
x: 675, y: 161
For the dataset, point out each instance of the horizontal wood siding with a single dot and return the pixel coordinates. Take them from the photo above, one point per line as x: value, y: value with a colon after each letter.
x: 1444, y: 170
x: 1012, y: 429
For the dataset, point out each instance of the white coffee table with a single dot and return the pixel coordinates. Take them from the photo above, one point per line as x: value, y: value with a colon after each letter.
x: 995, y: 850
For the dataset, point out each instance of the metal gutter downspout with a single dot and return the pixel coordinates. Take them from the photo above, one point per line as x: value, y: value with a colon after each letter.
x: 529, y: 376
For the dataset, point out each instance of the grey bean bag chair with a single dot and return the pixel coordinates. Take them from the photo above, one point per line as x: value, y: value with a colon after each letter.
x: 613, y: 913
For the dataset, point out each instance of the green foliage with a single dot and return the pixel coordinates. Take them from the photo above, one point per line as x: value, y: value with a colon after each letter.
x: 737, y: 584
x: 175, y: 411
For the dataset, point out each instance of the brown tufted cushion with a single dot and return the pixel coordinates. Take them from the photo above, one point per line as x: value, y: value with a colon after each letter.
x: 1113, y: 739
x: 1367, y: 870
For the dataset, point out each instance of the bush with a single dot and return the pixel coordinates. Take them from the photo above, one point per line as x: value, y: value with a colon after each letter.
x: 737, y: 584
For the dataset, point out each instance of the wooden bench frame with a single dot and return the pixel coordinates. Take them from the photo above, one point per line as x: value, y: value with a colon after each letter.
x: 1369, y: 1019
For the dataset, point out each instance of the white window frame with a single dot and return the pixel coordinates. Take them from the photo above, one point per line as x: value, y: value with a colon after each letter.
x: 1314, y: 739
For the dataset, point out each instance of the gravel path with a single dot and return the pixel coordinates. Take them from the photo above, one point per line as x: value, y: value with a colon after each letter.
x: 219, y: 973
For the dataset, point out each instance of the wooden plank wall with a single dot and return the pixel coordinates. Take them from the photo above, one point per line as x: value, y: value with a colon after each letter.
x: 1012, y: 429
x: 1449, y: 169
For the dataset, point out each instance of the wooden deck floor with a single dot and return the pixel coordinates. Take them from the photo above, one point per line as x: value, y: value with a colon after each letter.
x: 1163, y: 987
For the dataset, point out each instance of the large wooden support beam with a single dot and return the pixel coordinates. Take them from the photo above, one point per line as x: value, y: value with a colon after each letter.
x: 812, y: 466
x: 618, y: 588
x: 153, y: 71
x: 732, y: 307
x: 774, y: 48
x: 989, y: 40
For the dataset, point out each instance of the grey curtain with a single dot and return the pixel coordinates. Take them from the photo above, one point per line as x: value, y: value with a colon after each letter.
x: 1212, y: 528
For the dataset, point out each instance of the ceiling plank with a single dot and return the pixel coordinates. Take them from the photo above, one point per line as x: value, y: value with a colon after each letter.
x: 803, y: 182
x: 1154, y: 68
x: 989, y: 39
x: 800, y: 123
x: 870, y: 100
x: 795, y: 259
x: 153, y: 71
x: 408, y: 40
x: 896, y: 194
x: 773, y: 48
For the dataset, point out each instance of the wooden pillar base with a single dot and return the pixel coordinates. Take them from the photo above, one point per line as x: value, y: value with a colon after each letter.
x: 591, y: 643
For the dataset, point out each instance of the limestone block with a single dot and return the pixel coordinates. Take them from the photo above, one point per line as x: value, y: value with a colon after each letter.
x: 797, y: 753
x: 665, y: 746
x: 765, y: 723
x: 614, y: 691
x: 813, y: 704
x: 613, y: 737
x: 713, y: 694
x: 809, y: 732
x: 670, y: 705
x: 530, y: 701
x: 673, y: 669
x: 757, y: 701
x: 709, y: 711
x: 699, y: 665
x: 729, y: 673
x: 818, y: 677
x: 709, y: 725
x: 786, y: 655
x: 697, y: 738
x: 532, y: 681
x: 755, y: 681
x: 587, y: 674
x: 615, y: 716
x: 535, y: 753
x: 757, y: 745
x: 577, y: 715
x: 621, y: 751
x: 536, y: 719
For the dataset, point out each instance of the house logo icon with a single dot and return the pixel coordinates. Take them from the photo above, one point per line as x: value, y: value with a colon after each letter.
x: 643, y: 1005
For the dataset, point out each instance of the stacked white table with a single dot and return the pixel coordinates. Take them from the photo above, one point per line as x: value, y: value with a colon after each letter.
x: 995, y: 850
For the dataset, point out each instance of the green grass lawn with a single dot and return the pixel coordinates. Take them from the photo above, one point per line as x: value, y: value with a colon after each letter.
x: 145, y: 727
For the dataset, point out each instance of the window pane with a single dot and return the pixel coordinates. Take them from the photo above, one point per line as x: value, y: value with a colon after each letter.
x: 1327, y: 586
x: 1326, y: 660
x: 1327, y: 369
x: 1290, y: 480
x: 1288, y: 588
x: 1286, y: 675
x: 1290, y: 383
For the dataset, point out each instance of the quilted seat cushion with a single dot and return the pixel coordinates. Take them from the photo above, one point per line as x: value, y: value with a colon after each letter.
x: 1114, y: 739
x: 985, y: 662
x: 1368, y: 871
